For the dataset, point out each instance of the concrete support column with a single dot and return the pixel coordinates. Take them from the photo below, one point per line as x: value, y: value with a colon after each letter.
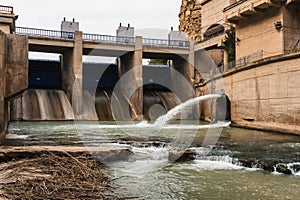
x: 7, y: 23
x: 72, y: 75
x: 226, y: 60
x: 132, y: 62
x: 13, y: 73
x: 191, y: 64
x: 184, y: 64
x: 181, y: 65
x: 2, y: 86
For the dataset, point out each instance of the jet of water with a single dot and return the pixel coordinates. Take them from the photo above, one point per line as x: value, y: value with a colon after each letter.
x: 173, y: 112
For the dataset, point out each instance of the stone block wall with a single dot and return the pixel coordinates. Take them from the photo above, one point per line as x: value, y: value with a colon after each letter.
x: 212, y: 13
x: 259, y: 33
x: 264, y: 95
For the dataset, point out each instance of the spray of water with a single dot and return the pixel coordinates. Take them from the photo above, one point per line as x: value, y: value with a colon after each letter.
x: 173, y: 112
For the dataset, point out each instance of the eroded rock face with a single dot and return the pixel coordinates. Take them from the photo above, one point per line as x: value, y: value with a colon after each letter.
x: 190, y: 18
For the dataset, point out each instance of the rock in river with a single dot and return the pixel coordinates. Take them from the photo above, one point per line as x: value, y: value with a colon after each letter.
x: 181, y: 155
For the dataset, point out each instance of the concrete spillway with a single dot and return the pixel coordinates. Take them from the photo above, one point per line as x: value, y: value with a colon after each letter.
x: 36, y: 104
x: 50, y: 104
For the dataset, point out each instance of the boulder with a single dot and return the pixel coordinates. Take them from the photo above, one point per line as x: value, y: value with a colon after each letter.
x: 181, y: 156
x: 296, y: 168
x: 267, y: 165
x: 283, y: 169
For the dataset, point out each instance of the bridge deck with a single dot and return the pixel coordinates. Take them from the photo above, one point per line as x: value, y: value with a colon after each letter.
x: 41, y: 40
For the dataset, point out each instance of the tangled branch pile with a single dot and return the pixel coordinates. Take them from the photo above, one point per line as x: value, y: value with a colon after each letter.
x: 52, y: 176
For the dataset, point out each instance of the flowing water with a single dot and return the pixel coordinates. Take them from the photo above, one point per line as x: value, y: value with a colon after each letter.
x: 231, y: 169
x: 230, y: 163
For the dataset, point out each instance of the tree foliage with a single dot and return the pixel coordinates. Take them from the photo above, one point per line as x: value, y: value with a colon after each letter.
x: 158, y: 62
x: 229, y: 43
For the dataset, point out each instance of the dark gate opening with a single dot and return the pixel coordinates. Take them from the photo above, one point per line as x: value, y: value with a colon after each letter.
x: 44, y: 74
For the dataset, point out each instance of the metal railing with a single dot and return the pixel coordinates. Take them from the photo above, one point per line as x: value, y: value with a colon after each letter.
x: 243, y: 61
x: 161, y: 42
x: 108, y: 38
x: 6, y: 9
x: 44, y: 32
x: 98, y: 37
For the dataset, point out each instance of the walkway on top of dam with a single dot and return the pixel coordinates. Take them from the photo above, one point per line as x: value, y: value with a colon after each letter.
x: 53, y: 41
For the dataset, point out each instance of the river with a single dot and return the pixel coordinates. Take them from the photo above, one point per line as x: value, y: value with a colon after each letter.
x: 243, y: 164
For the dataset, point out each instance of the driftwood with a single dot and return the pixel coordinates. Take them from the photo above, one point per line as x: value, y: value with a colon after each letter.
x: 51, y: 176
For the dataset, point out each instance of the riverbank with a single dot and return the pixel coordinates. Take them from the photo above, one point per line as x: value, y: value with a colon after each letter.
x: 44, y: 172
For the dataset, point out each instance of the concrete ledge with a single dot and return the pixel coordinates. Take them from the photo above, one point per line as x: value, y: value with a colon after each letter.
x: 255, y: 64
x: 104, y: 154
x: 269, y: 126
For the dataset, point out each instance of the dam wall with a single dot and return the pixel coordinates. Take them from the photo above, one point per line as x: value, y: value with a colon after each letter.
x: 263, y: 95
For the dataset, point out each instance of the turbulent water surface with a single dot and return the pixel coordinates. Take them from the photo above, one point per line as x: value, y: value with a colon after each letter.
x: 243, y: 164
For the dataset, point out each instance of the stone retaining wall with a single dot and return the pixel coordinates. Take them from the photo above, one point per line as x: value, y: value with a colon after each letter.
x: 263, y: 95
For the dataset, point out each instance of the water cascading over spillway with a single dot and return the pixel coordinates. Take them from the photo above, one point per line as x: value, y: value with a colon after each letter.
x: 167, y: 100
x: 158, y: 103
x: 102, y: 105
x: 38, y: 104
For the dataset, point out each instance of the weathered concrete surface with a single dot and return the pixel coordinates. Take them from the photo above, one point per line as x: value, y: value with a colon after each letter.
x: 102, y: 153
x: 13, y: 73
x: 258, y: 32
x: 72, y: 77
x: 132, y: 82
x: 38, y: 104
x: 2, y: 77
x: 7, y: 23
x: 265, y: 94
x: 16, y: 63
x: 212, y: 14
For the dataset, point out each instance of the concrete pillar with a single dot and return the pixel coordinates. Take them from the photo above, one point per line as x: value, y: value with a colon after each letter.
x: 133, y: 82
x: 138, y: 62
x: 191, y: 64
x: 7, y: 22
x: 2, y: 84
x: 184, y: 64
x: 72, y: 75
x: 226, y: 60
x: 13, y: 73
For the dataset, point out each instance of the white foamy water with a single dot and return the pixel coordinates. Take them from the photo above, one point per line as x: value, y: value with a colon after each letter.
x: 15, y: 136
x: 216, y: 165
x: 149, y: 125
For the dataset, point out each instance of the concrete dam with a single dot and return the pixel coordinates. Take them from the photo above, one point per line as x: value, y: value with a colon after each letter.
x: 71, y: 88
x: 45, y: 100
